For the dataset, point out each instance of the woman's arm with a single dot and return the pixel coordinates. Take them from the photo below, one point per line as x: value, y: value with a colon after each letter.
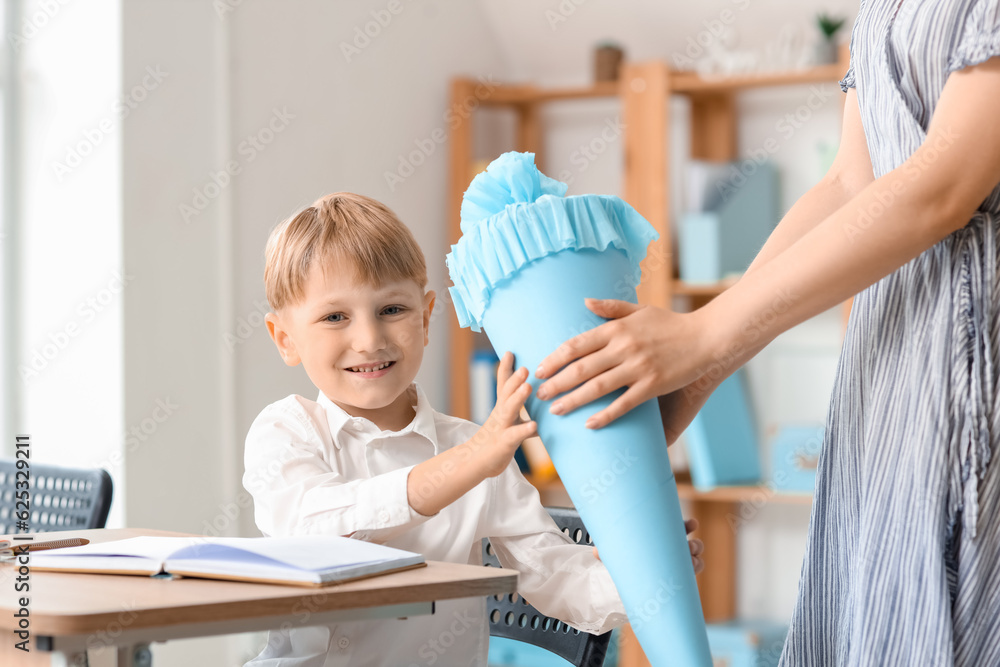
x: 850, y: 173
x: 891, y: 221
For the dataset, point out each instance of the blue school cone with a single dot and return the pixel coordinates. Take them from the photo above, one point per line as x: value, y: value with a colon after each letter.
x: 527, y: 258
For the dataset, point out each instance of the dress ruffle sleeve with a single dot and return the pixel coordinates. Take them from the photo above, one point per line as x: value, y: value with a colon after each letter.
x: 980, y: 38
x: 849, y: 80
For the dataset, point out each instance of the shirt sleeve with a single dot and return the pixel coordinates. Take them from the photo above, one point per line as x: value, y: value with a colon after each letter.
x: 980, y: 39
x: 297, y: 491
x: 849, y: 80
x: 558, y: 577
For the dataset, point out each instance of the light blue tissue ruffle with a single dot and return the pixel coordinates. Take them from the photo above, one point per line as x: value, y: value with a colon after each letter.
x: 511, y: 178
x: 513, y: 214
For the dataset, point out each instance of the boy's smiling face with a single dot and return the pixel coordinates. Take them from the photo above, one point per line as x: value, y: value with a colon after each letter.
x: 360, y: 345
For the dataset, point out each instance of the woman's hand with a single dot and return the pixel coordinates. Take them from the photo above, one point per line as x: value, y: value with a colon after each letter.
x: 696, y: 546
x: 649, y: 350
x: 497, y: 440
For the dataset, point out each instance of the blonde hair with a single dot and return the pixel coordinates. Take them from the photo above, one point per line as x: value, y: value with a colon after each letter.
x: 340, y: 228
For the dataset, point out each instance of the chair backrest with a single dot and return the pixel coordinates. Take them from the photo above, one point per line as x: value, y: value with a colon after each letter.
x: 61, y: 498
x: 511, y: 616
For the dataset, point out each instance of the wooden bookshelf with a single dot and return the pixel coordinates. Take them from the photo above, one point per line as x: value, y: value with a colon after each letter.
x: 505, y: 95
x: 682, y: 82
x: 757, y: 495
x: 553, y: 493
x: 643, y: 90
x: 692, y: 83
x: 682, y: 288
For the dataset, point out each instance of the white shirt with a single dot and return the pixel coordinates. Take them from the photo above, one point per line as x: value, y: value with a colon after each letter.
x: 314, y: 469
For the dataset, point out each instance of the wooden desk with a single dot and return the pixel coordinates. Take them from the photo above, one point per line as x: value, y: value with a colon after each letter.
x: 71, y: 611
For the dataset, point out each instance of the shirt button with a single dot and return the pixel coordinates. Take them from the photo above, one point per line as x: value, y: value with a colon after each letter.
x: 343, y: 642
x: 383, y: 516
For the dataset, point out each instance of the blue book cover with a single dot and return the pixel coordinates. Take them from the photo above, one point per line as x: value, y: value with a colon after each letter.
x: 722, y: 438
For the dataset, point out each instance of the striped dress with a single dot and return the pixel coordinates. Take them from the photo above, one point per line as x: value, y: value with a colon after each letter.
x: 902, y: 564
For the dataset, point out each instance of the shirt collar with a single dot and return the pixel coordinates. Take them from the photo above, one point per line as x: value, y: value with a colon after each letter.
x: 423, y: 422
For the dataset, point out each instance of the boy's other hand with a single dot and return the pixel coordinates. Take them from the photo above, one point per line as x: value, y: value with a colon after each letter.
x: 695, y: 545
x: 501, y: 435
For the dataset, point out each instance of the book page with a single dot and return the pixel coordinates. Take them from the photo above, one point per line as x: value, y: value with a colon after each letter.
x: 135, y: 553
x: 311, y: 553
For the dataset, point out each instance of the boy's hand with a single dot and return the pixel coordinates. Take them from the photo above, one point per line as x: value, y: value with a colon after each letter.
x: 695, y: 545
x: 500, y: 436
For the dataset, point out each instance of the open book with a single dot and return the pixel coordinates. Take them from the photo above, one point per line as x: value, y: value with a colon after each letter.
x: 304, y: 561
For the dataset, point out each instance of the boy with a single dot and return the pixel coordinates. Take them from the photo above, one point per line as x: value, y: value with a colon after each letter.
x: 370, y: 458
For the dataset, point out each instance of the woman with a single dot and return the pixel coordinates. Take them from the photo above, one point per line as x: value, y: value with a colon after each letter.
x: 905, y: 530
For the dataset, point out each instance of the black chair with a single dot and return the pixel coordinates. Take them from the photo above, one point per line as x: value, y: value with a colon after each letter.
x: 512, y: 617
x: 61, y: 498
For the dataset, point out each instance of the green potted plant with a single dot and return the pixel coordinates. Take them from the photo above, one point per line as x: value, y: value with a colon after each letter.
x: 826, y: 48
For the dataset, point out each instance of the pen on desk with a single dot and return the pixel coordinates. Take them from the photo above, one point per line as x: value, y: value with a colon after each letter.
x: 48, y: 544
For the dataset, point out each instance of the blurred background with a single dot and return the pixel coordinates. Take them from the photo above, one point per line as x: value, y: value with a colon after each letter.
x: 149, y: 146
